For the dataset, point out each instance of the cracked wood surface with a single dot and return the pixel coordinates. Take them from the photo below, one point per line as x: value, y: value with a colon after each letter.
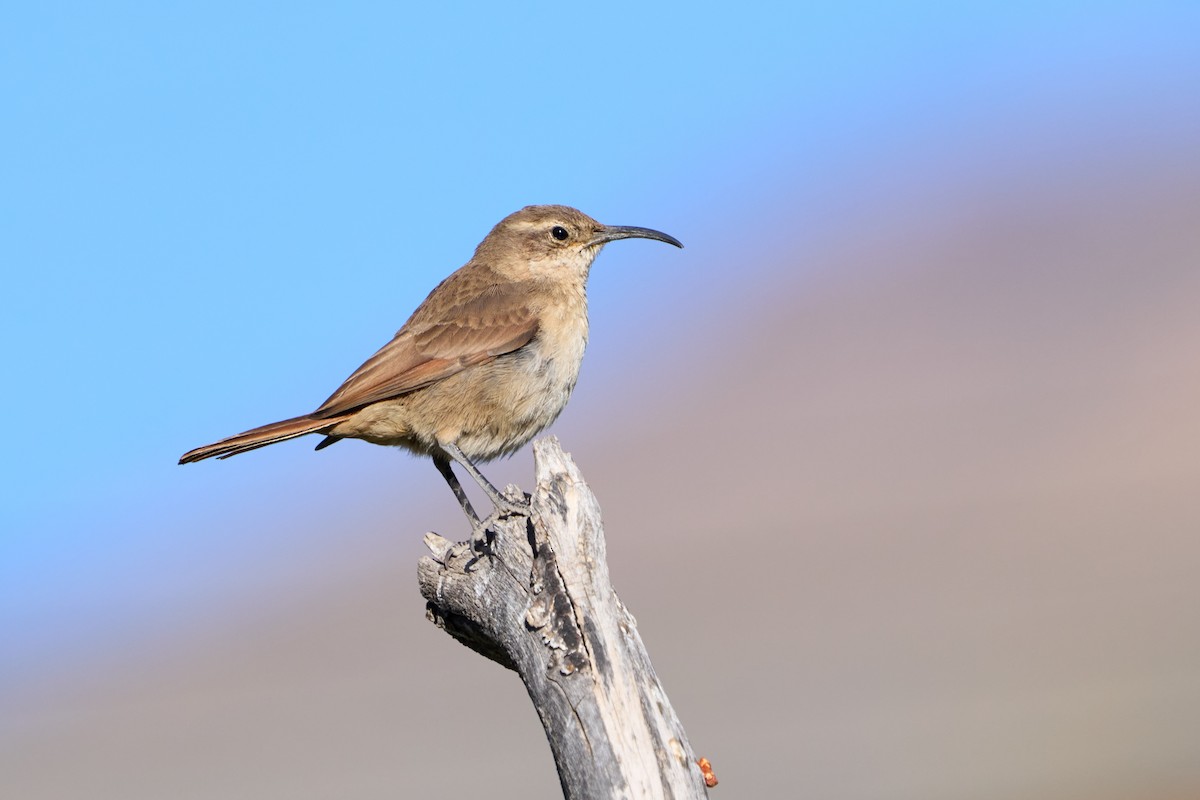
x: 541, y: 604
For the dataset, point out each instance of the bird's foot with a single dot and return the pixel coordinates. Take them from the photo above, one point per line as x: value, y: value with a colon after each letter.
x: 510, y: 506
x: 483, y: 532
x: 482, y: 536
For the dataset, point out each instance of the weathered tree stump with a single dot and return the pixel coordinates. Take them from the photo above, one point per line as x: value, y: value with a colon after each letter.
x: 541, y: 604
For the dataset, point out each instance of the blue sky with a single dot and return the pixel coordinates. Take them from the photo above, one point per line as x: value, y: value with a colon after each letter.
x: 209, y: 214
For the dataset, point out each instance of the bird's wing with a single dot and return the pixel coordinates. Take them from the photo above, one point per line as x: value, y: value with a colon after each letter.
x: 477, y: 329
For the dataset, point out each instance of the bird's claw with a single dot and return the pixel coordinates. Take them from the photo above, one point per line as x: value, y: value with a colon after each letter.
x: 483, y: 532
x: 511, y: 508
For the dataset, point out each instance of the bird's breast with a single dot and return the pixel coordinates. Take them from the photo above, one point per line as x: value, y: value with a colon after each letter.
x: 528, y: 388
x: 552, y: 360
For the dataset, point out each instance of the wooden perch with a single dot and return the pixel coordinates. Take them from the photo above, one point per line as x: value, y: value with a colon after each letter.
x: 541, y: 604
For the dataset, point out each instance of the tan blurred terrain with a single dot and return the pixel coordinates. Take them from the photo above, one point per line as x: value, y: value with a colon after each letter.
x: 926, y: 526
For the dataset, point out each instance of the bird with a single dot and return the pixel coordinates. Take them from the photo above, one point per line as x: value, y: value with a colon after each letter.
x: 486, y: 362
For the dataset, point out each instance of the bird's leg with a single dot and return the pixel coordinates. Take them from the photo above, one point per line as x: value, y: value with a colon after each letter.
x: 479, y: 527
x: 443, y: 466
x: 502, y: 503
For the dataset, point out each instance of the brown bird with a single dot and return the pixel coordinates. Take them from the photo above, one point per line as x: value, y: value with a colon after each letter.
x: 483, y: 365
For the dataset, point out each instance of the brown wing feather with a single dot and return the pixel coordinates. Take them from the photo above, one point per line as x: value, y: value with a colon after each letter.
x: 484, y: 323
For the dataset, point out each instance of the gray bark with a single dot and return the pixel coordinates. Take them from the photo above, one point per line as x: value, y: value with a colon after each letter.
x: 541, y: 604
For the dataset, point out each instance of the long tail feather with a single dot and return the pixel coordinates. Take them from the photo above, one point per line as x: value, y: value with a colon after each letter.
x: 260, y: 437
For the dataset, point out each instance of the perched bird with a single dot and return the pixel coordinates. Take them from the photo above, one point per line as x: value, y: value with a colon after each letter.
x: 483, y: 365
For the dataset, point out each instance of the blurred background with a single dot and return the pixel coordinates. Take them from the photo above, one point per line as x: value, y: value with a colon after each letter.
x: 899, y: 458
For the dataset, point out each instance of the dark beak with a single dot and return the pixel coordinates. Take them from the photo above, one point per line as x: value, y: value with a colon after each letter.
x: 610, y: 233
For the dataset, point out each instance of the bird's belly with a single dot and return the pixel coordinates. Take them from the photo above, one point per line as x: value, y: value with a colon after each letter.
x: 515, y: 398
x: 487, y: 410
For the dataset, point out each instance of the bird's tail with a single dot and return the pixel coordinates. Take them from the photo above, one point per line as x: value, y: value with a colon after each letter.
x: 260, y: 437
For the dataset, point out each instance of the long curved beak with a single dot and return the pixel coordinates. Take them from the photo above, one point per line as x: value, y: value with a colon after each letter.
x: 610, y: 233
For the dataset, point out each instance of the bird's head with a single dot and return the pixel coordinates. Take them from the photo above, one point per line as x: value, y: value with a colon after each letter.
x: 554, y: 242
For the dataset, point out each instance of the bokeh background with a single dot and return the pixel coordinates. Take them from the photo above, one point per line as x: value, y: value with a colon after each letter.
x: 900, y: 458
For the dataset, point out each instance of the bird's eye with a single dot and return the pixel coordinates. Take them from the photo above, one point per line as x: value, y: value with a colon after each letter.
x: 559, y: 232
